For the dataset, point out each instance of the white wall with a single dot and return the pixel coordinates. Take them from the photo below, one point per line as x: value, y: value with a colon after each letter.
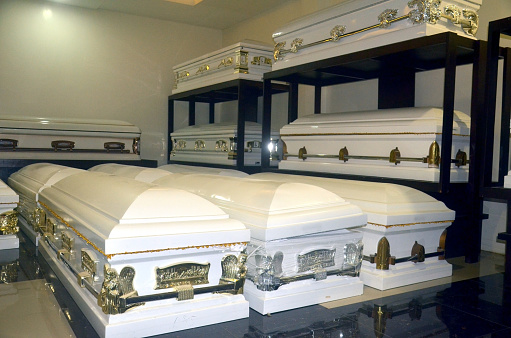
x: 78, y: 62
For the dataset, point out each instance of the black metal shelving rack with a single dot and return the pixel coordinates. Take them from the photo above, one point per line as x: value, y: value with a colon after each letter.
x: 395, y: 67
x: 490, y: 190
x: 246, y: 92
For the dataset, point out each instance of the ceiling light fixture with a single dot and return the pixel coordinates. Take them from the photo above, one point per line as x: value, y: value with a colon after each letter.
x: 186, y: 2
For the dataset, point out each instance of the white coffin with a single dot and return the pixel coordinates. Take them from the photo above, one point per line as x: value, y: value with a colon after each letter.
x: 291, y: 226
x: 8, y: 218
x: 180, y: 168
x: 369, y: 138
x: 27, y: 183
x: 297, y: 42
x: 141, y: 174
x: 401, y: 214
x: 122, y: 238
x: 26, y: 137
x: 247, y: 60
x: 217, y: 144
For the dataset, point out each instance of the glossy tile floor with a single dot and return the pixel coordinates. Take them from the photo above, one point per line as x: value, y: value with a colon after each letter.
x: 471, y: 303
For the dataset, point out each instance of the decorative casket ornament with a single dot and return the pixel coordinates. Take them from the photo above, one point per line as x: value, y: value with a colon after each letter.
x: 399, y: 143
x: 216, y: 143
x: 27, y: 183
x: 247, y: 60
x: 56, y: 138
x: 301, y: 251
x: 8, y: 217
x: 143, y: 260
x: 404, y: 239
x: 358, y: 25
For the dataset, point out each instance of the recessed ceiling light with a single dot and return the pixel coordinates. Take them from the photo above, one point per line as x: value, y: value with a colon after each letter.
x: 186, y: 2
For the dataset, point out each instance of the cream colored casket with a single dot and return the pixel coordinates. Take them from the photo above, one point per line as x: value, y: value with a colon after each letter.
x: 247, y: 60
x: 216, y: 143
x: 141, y: 174
x: 27, y: 183
x: 300, y: 252
x: 356, y: 25
x: 403, y: 239
x: 8, y: 218
x: 398, y: 143
x: 180, y: 168
x: 142, y: 260
x: 26, y: 137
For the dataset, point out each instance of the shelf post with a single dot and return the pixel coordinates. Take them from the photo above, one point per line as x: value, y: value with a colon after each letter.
x: 292, y: 113
x: 191, y: 112
x: 317, y: 99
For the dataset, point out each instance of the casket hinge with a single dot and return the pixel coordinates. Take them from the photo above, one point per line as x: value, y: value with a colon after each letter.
x: 62, y: 145
x: 461, y: 158
x: 9, y: 223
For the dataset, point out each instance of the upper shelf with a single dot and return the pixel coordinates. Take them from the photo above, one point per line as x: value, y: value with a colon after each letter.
x: 422, y: 54
x: 225, y: 91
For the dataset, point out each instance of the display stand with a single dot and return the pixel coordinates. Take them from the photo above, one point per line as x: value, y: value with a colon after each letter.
x: 490, y: 190
x: 246, y: 92
x: 395, y: 67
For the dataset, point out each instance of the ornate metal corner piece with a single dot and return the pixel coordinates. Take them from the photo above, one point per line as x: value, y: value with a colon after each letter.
x: 278, y: 50
x: 317, y: 259
x: 234, y: 271
x: 116, y: 287
x: 182, y: 274
x: 424, y: 11
x: 9, y: 223
x: 241, y: 62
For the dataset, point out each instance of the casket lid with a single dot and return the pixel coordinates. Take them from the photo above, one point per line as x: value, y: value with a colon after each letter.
x: 412, y: 119
x: 384, y: 203
x: 66, y: 124
x: 272, y: 209
x: 245, y: 44
x: 29, y: 180
x: 118, y: 215
x: 219, y: 129
x: 181, y: 168
x: 7, y: 195
x: 141, y: 174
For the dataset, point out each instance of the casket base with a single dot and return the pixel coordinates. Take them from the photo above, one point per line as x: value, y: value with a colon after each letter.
x: 9, y: 242
x: 149, y: 320
x: 388, y: 170
x: 33, y: 235
x: 405, y: 273
x: 302, y: 293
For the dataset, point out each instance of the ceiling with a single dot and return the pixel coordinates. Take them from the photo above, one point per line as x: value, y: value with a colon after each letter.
x: 219, y: 14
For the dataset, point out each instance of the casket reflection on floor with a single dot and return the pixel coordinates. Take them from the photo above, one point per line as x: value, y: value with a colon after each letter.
x: 398, y: 143
x: 217, y: 143
x: 300, y: 252
x: 404, y: 240
x: 45, y: 138
x: 142, y: 260
x: 8, y: 218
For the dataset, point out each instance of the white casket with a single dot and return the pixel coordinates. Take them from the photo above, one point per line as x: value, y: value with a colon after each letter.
x: 362, y: 24
x: 142, y: 260
x: 180, y: 168
x: 399, y: 143
x: 26, y: 137
x: 141, y: 174
x: 8, y: 218
x: 247, y: 60
x: 27, y: 183
x: 216, y: 143
x: 403, y: 216
x: 300, y: 252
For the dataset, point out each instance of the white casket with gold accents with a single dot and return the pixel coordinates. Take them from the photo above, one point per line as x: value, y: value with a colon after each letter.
x: 357, y: 25
x: 404, y: 241
x: 143, y: 260
x: 398, y: 143
x: 217, y: 143
x: 27, y: 183
x: 301, y: 251
x: 45, y: 138
x: 8, y: 218
x: 247, y: 60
